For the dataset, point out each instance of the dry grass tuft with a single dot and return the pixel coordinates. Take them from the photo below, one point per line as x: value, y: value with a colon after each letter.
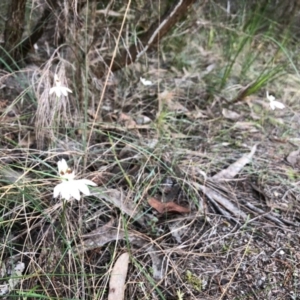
x: 156, y: 152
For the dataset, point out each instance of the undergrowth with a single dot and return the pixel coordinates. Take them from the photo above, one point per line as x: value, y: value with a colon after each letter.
x: 139, y: 142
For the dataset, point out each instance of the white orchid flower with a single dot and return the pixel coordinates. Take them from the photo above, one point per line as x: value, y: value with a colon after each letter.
x: 145, y: 81
x: 70, y: 187
x: 58, y: 89
x: 273, y: 103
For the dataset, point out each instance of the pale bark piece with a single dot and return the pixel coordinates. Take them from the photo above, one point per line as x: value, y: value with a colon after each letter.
x: 249, y: 126
x: 293, y: 158
x: 236, y: 167
x: 230, y: 114
x: 117, y: 198
x: 118, y: 278
x: 221, y: 200
x: 142, y: 120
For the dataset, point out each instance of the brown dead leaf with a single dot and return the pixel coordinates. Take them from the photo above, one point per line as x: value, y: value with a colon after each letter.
x: 126, y: 120
x: 118, y: 277
x: 196, y: 114
x: 167, y: 97
x: 167, y: 207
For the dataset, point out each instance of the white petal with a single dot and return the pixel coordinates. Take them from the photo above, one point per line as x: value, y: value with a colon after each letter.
x: 270, y: 97
x: 66, y: 195
x: 66, y: 190
x: 83, y: 188
x: 278, y: 104
x: 52, y: 90
x: 55, y: 90
x: 272, y: 105
x: 62, y: 166
x: 145, y: 81
x: 75, y: 193
x: 67, y: 90
x: 87, y: 182
x: 57, y: 81
x: 63, y: 91
x: 72, y: 188
x: 64, y: 170
x: 57, y: 190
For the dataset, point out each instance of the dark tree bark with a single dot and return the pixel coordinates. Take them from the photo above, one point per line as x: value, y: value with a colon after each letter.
x: 147, y: 40
x: 39, y: 28
x: 14, y: 27
x: 16, y: 50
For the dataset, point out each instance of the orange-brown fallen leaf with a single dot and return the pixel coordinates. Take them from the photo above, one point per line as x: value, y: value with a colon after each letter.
x: 167, y: 207
x: 126, y: 119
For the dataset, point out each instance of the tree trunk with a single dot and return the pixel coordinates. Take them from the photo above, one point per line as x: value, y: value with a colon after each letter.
x: 14, y: 27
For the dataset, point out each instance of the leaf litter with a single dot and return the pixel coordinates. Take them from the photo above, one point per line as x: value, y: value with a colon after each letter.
x: 103, y: 235
x: 235, y: 241
x: 202, y: 219
x: 236, y: 167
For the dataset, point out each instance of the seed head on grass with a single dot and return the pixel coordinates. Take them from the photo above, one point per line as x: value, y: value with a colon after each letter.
x: 70, y: 187
x: 53, y: 112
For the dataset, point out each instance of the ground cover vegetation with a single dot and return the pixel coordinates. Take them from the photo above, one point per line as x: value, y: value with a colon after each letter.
x: 149, y: 149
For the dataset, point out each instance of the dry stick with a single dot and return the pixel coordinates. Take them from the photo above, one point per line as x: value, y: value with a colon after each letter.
x: 109, y: 71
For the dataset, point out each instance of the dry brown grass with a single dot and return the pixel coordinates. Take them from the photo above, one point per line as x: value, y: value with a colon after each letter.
x: 165, y: 141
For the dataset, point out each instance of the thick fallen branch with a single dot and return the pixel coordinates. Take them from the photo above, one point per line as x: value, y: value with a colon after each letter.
x: 147, y: 40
